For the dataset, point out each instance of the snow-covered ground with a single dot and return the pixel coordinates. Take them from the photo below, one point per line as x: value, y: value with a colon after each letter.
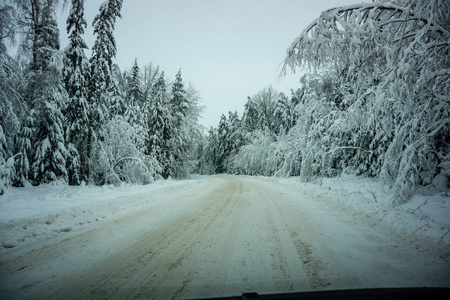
x: 218, y: 236
x: 428, y: 212
x: 35, y: 213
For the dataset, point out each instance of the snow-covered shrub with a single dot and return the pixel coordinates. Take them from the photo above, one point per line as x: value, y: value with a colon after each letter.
x: 117, y: 158
x: 252, y: 159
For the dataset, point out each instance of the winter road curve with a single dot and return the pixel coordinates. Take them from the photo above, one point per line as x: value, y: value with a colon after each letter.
x: 220, y: 237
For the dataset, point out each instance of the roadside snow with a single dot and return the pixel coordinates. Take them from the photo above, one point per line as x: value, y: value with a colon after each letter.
x: 34, y: 213
x: 427, y: 213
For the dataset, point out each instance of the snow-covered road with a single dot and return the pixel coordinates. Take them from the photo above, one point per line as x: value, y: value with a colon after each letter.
x: 222, y: 236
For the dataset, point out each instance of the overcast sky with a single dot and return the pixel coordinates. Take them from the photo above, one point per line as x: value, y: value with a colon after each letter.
x: 228, y: 49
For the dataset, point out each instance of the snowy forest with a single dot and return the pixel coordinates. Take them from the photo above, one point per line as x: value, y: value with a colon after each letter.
x: 374, y: 101
x: 73, y: 119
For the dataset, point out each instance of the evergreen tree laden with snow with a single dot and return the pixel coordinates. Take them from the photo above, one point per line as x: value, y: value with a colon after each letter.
x: 160, y: 127
x: 103, y: 51
x: 135, y: 95
x: 179, y: 144
x: 136, y: 111
x: 100, y: 80
x: 23, y: 150
x: 6, y: 164
x: 49, y: 151
x: 49, y: 161
x: 76, y: 83
x: 179, y: 103
x: 250, y: 115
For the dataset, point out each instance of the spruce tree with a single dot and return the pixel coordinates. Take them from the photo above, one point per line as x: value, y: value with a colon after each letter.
x: 48, y: 36
x: 250, y: 115
x: 100, y: 81
x: 160, y: 126
x: 136, y: 112
x: 135, y: 94
x: 49, y: 161
x: 181, y: 136
x: 103, y: 51
x: 23, y: 148
x: 76, y: 82
x: 180, y: 104
x: 49, y: 158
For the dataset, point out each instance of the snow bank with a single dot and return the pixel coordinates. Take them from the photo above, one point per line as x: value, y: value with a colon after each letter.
x: 428, y: 212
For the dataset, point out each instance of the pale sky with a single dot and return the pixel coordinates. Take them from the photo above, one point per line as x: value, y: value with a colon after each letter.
x: 228, y: 49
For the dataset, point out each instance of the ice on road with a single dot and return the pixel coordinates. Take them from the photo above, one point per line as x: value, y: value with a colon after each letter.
x: 223, y: 236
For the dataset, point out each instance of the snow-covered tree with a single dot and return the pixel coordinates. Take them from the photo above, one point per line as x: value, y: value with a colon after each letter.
x: 285, y: 114
x: 160, y: 126
x: 179, y: 101
x: 266, y: 100
x: 250, y: 115
x: 135, y: 95
x: 6, y: 164
x: 100, y: 76
x: 181, y: 133
x: 23, y: 151
x: 393, y: 66
x: 48, y: 141
x: 136, y: 106
x: 49, y: 161
x: 103, y: 52
x: 11, y: 108
x: 209, y: 160
x: 151, y: 74
x: 48, y: 36
x: 76, y: 82
x: 118, y: 159
x: 253, y: 158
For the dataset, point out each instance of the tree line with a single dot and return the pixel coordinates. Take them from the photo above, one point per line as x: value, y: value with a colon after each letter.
x: 73, y: 119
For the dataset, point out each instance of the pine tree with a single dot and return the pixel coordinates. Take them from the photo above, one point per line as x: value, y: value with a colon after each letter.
x: 160, y: 126
x: 76, y: 82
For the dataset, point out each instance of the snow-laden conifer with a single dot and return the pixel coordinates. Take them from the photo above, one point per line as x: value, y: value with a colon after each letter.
x: 160, y: 126
x: 76, y: 71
